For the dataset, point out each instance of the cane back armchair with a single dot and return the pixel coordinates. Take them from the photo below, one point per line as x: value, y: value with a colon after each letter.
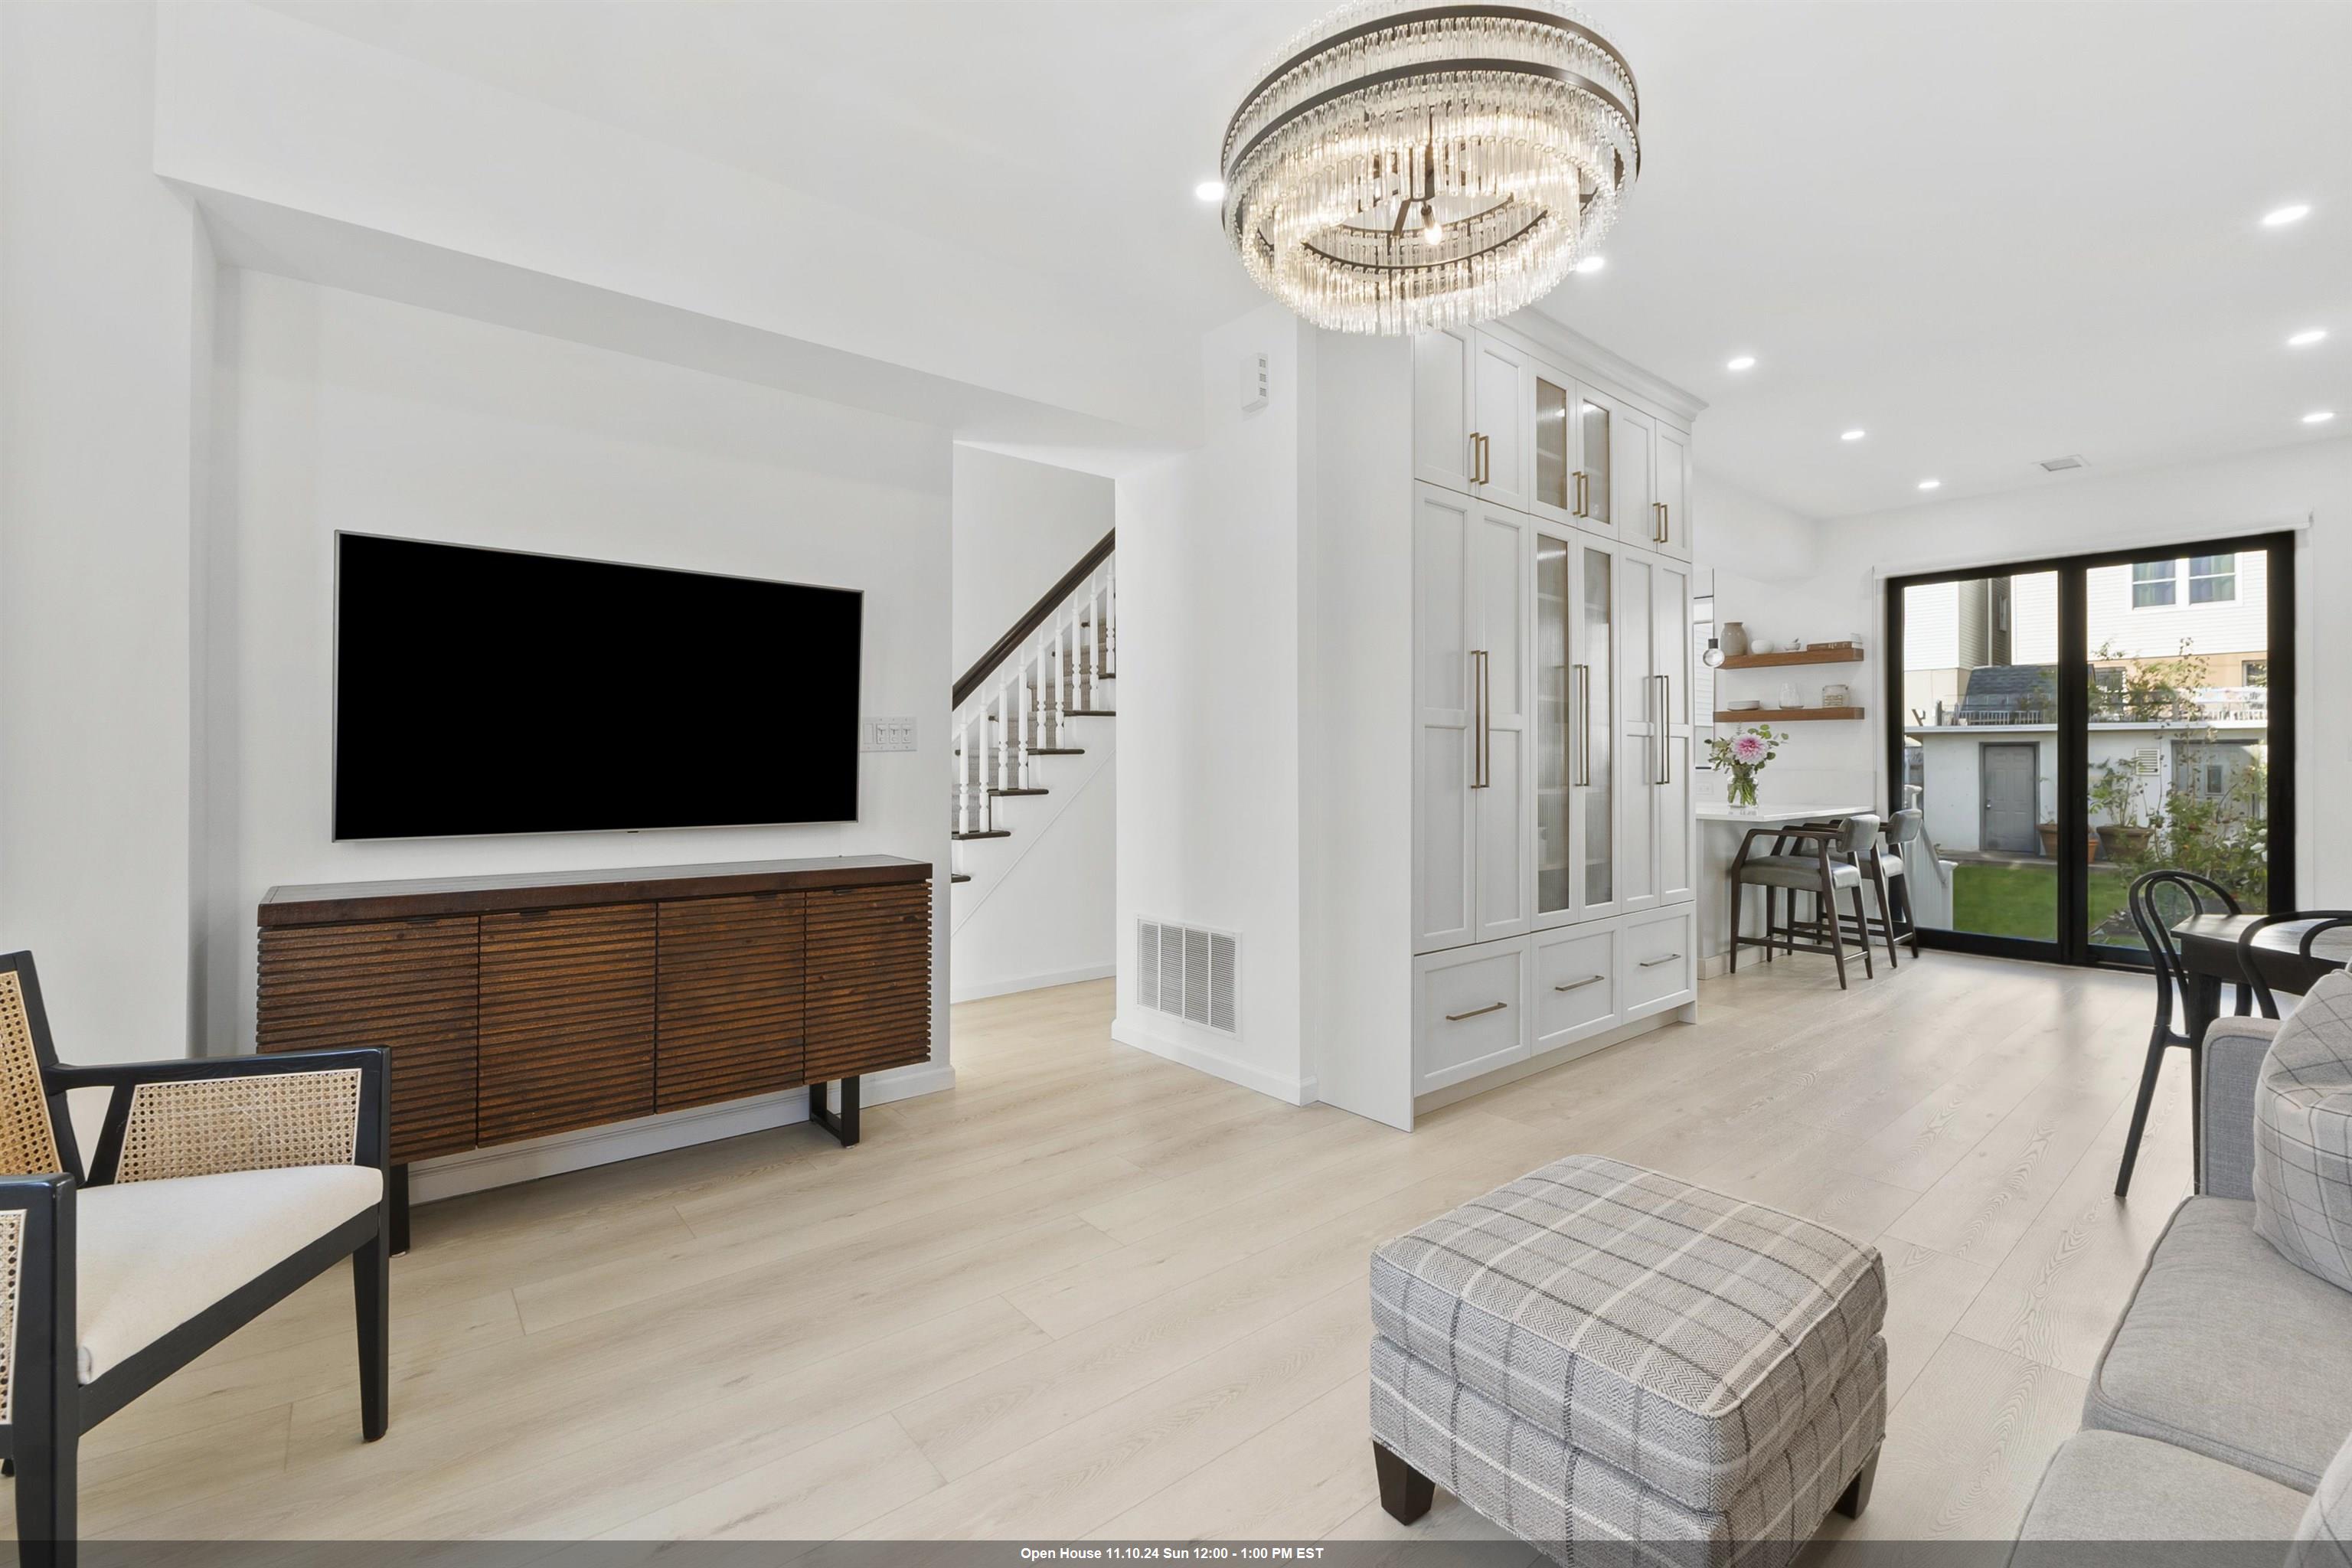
x: 217, y: 1189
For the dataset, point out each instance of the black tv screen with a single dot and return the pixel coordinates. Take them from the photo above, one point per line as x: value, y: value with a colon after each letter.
x: 482, y: 691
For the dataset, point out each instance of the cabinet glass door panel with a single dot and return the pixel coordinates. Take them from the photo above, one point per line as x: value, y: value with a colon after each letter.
x: 1557, y: 718
x: 1555, y: 487
x: 1670, y: 629
x: 1592, y: 682
x: 1594, y: 435
x: 1637, y: 763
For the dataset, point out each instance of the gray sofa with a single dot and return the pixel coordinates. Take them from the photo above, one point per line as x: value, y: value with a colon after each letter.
x: 2225, y: 1391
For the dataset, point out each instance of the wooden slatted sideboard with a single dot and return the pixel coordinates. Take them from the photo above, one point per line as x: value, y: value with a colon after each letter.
x: 516, y: 1008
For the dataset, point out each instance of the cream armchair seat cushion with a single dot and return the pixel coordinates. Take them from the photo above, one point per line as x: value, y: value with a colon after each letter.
x: 154, y: 1254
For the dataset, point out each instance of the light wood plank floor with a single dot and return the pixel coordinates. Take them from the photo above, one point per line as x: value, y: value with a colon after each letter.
x: 1089, y: 1293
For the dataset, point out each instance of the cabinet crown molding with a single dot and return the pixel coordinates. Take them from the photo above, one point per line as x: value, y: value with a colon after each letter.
x: 1541, y: 334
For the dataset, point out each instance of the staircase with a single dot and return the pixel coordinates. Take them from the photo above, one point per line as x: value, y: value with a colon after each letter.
x: 1033, y: 696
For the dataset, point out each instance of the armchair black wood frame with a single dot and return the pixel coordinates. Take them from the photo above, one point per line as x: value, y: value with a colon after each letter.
x: 45, y: 1407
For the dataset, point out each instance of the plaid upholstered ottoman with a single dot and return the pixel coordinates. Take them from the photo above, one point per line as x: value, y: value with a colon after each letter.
x: 1619, y: 1366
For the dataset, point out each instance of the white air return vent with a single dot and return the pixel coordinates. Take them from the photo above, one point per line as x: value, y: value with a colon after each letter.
x: 2060, y: 465
x: 1188, y: 972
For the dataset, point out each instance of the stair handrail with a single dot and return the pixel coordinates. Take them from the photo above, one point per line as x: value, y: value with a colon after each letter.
x: 1011, y: 643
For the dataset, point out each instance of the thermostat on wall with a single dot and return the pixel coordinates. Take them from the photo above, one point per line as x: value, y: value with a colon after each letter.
x: 1257, y: 381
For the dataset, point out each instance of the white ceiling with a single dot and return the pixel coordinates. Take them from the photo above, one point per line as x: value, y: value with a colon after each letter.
x: 1985, y: 231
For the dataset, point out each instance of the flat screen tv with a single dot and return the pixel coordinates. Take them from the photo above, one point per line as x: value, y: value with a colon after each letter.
x: 483, y: 692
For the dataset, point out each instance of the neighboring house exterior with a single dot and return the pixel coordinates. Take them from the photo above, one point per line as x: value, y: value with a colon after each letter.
x: 2182, y: 671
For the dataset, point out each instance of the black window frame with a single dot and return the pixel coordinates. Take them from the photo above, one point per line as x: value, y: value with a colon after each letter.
x: 2072, y: 944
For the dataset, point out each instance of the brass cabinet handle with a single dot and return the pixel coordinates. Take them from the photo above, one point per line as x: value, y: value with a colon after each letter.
x: 1580, y: 985
x: 1584, y: 673
x: 1481, y: 737
x: 1653, y: 962
x: 1665, y: 523
x: 1578, y: 510
x: 1477, y: 1011
x: 1480, y: 455
x: 1665, y: 701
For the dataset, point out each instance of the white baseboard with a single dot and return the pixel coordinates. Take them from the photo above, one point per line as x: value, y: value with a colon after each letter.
x: 476, y: 1169
x: 987, y: 988
x: 1204, y: 1059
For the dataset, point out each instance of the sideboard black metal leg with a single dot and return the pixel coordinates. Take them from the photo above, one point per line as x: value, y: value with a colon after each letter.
x: 399, y: 1177
x: 841, y: 1124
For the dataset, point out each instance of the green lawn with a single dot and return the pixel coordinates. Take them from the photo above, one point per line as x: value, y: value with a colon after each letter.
x: 2022, y: 899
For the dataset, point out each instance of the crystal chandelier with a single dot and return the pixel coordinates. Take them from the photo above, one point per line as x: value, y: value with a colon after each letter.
x: 1407, y: 167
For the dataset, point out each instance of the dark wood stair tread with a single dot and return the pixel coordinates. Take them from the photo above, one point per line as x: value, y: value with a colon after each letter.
x: 1057, y: 750
x: 985, y: 833
x: 1020, y: 792
x: 1089, y: 712
x: 959, y: 877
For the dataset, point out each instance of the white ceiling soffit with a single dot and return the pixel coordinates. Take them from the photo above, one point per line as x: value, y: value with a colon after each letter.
x: 1982, y: 232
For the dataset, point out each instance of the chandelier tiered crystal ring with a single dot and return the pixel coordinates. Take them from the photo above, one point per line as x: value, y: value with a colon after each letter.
x: 1407, y: 167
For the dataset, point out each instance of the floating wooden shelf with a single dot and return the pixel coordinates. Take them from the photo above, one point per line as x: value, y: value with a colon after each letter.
x: 1783, y: 715
x: 1845, y: 653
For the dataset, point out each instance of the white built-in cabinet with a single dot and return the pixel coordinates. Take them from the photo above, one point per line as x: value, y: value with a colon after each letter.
x: 1555, y: 843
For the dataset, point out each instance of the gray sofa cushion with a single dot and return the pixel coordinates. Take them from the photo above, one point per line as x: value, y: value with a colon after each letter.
x: 1676, y: 1334
x: 2230, y: 1350
x: 1588, y: 1514
x: 2234, y: 1050
x: 2303, y: 1135
x: 2114, y: 1489
x: 2324, y: 1538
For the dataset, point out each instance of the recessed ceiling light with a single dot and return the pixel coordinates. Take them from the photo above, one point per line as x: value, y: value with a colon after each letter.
x: 1744, y: 362
x: 1210, y: 190
x: 1930, y: 484
x: 2281, y: 216
x: 1592, y: 264
x: 2304, y: 339
x: 1851, y: 436
x: 2319, y: 417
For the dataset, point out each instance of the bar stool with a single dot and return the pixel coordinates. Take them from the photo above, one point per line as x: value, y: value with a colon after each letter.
x: 1835, y: 865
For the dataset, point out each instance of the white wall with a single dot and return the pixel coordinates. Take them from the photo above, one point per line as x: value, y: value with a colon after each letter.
x: 1763, y: 565
x: 349, y: 412
x: 2308, y: 483
x: 1018, y: 526
x: 1040, y: 908
x: 1208, y: 698
x: 105, y: 291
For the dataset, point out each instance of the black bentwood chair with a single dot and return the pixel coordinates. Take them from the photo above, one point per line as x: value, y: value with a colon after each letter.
x: 2186, y: 893
x: 219, y: 1188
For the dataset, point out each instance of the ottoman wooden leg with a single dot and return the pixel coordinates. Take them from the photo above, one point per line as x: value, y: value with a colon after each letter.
x: 1405, y: 1492
x: 1856, y: 1496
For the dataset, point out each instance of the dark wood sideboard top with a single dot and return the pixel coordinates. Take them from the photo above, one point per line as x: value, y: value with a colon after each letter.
x: 334, y: 903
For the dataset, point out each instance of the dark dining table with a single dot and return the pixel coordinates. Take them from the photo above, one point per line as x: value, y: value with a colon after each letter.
x: 2209, y: 956
x: 2208, y: 952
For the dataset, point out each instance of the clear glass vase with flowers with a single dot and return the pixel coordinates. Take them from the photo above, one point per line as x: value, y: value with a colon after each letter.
x: 1743, y: 755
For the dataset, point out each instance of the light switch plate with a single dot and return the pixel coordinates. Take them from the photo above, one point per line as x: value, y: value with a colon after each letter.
x: 887, y: 736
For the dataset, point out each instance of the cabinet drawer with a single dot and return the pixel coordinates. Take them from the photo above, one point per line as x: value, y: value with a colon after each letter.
x: 1576, y: 985
x: 1472, y: 1013
x: 1660, y: 967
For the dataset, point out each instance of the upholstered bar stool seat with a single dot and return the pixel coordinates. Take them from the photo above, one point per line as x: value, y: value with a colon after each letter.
x: 1598, y: 1352
x: 1798, y: 872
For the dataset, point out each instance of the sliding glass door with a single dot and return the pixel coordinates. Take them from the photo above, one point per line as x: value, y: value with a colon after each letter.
x: 2065, y: 725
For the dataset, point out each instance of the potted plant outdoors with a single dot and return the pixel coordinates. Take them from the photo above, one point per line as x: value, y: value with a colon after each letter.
x: 2116, y: 791
x: 1743, y: 756
x: 2049, y: 831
